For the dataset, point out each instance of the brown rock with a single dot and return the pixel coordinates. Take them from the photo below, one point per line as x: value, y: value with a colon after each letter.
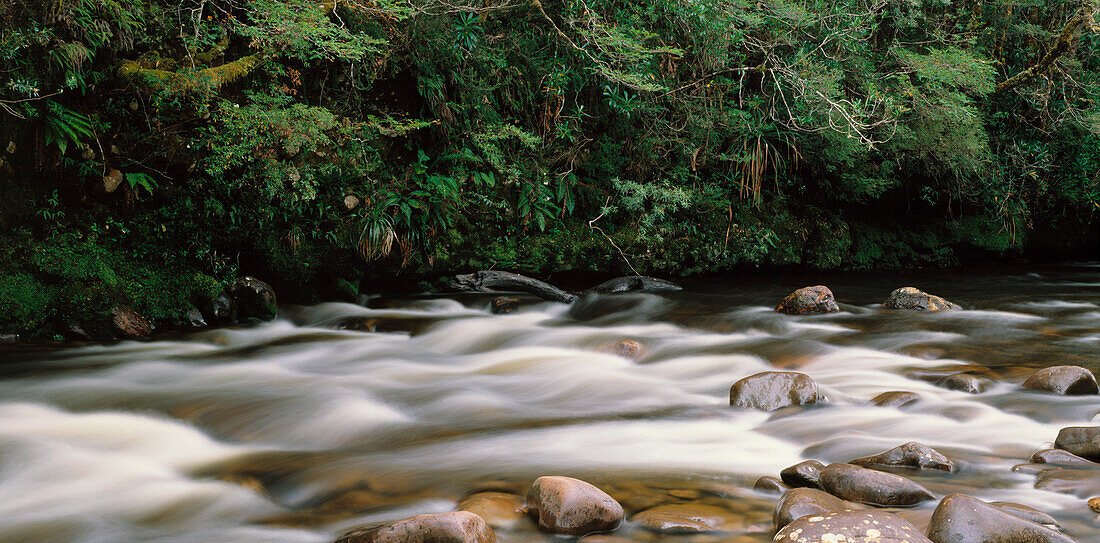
x: 910, y: 455
x: 895, y: 398
x: 914, y: 298
x: 689, y: 517
x: 129, y: 324
x: 963, y: 382
x: 1078, y: 482
x: 771, y: 390
x: 801, y: 502
x: 112, y: 180
x: 568, y: 506
x: 454, y: 527
x: 1061, y: 458
x: 1025, y: 512
x: 963, y: 519
x: 502, y: 305
x: 1094, y: 504
x: 803, y: 474
x: 864, y: 485
x: 809, y: 300
x: 851, y: 527
x: 499, y: 509
x: 627, y: 348
x: 770, y: 484
x: 1069, y: 380
x: 1084, y: 441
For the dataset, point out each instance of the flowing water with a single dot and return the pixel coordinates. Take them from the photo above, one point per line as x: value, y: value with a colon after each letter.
x: 295, y: 430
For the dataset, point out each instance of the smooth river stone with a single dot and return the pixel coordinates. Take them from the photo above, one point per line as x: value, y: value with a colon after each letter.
x: 770, y: 484
x: 1061, y: 458
x: 1070, y: 380
x: 770, y: 390
x: 499, y: 509
x: 910, y: 455
x: 963, y: 519
x: 800, y: 502
x: 916, y: 299
x: 851, y: 527
x: 809, y: 300
x: 864, y: 485
x: 896, y: 399
x: 803, y: 474
x: 453, y: 527
x: 689, y: 517
x: 1025, y: 512
x: 962, y: 382
x: 568, y: 506
x: 1078, y: 482
x: 1084, y: 441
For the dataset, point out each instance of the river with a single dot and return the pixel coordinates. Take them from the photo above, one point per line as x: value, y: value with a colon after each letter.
x: 295, y: 430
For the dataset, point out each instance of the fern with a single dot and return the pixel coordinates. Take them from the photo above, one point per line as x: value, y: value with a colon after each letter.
x: 65, y: 126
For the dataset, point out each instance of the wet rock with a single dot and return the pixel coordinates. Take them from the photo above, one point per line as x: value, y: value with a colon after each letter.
x: 770, y: 484
x: 499, y: 509
x: 454, y: 527
x: 809, y: 300
x: 128, y: 324
x: 771, y: 390
x: 897, y: 399
x: 568, y: 506
x: 688, y: 517
x: 627, y: 348
x: 1027, y: 513
x: 1094, y: 504
x: 633, y: 283
x: 194, y: 318
x: 1070, y: 380
x: 803, y: 474
x: 910, y: 455
x: 1078, y: 482
x: 864, y: 485
x: 962, y: 519
x: 221, y: 309
x: 112, y: 180
x: 1084, y: 441
x: 252, y: 299
x: 1061, y: 458
x: 801, y: 502
x: 502, y: 305
x: 914, y: 298
x: 851, y: 527
x: 962, y: 382
x: 8, y: 339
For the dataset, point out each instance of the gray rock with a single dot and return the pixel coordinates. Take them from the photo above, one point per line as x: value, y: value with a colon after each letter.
x: 914, y: 298
x: 963, y: 519
x: 1078, y: 482
x: 803, y: 474
x: 1084, y: 441
x: 809, y: 300
x: 252, y: 299
x: 1061, y: 458
x: 897, y: 399
x: 771, y: 390
x: 1069, y: 380
x: 800, y: 502
x: 851, y: 527
x: 454, y: 527
x: 568, y: 506
x: 633, y: 283
x: 1027, y: 513
x: 864, y: 485
x: 910, y: 455
x: 963, y: 382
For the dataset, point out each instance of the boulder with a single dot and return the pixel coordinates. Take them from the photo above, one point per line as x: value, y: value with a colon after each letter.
x: 771, y: 485
x: 801, y: 502
x: 568, y: 506
x: 112, y: 180
x: 499, y: 509
x: 1078, y: 482
x: 910, y: 455
x: 1025, y: 512
x: 502, y: 305
x: 128, y: 324
x: 1084, y: 441
x: 895, y: 398
x: 454, y: 527
x: 803, y: 474
x: 914, y: 298
x: 962, y: 519
x: 1094, y: 504
x: 1070, y: 380
x: 252, y: 299
x: 689, y: 517
x: 851, y: 527
x: 221, y: 309
x: 1061, y: 458
x: 864, y: 485
x: 771, y: 390
x: 963, y: 382
x: 809, y: 300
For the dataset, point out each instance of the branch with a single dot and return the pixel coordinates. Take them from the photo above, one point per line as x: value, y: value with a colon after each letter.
x: 1083, y: 18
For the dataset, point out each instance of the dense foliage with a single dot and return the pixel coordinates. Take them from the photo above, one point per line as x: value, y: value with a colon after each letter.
x: 159, y: 147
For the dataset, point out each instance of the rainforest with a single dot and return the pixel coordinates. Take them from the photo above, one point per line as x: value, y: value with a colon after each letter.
x: 152, y: 151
